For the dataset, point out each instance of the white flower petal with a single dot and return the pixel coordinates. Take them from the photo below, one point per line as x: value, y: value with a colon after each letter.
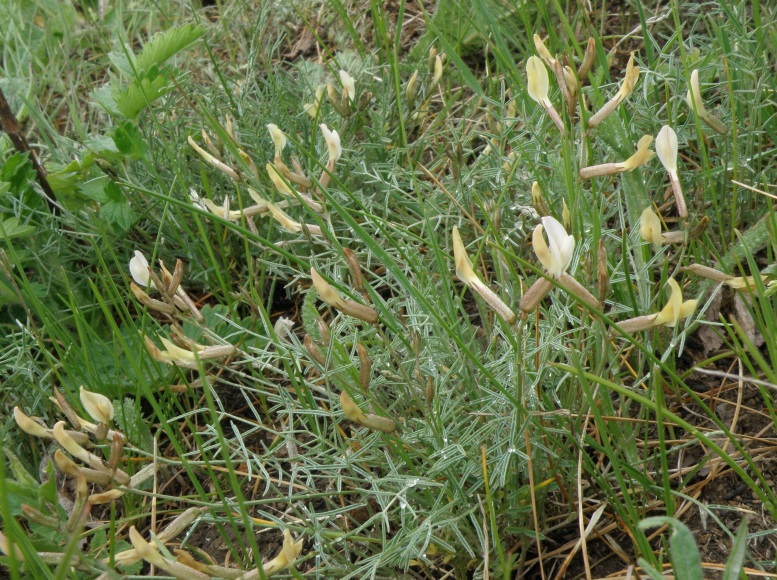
x: 538, y: 82
x: 348, y: 84
x: 139, y: 269
x: 333, y: 143
x: 562, y: 246
x: 666, y: 148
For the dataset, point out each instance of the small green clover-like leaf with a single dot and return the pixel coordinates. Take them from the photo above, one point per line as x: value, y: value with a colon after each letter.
x: 11, y: 228
x: 119, y: 213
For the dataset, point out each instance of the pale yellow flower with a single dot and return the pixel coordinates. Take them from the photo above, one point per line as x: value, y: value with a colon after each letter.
x: 97, y: 406
x: 556, y: 257
x: 332, y: 139
x: 694, y: 100
x: 278, y: 138
x: 138, y: 266
x: 290, y: 551
x: 466, y: 274
x: 348, y: 84
x: 675, y: 309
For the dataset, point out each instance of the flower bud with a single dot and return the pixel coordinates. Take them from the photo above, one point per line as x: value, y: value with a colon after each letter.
x: 29, y: 425
x: 544, y: 53
x: 437, y: 77
x: 412, y: 87
x: 313, y: 108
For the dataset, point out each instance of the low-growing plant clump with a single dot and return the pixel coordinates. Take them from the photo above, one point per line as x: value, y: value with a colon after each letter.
x: 499, y: 305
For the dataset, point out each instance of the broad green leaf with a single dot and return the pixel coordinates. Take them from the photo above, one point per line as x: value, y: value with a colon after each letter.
x: 119, y: 213
x: 95, y: 188
x: 122, y: 62
x: 165, y: 44
x: 11, y: 228
x: 18, y: 171
x: 113, y: 192
x: 104, y: 96
x: 133, y: 98
x: 129, y: 141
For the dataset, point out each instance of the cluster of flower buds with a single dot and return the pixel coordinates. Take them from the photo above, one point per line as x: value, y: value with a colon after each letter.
x: 187, y: 356
x: 74, y: 460
x: 173, y: 302
x: 568, y: 80
x: 184, y: 565
x: 215, y: 153
x: 173, y: 299
x: 555, y: 256
x: 292, y: 183
x: 345, y: 101
x: 414, y: 88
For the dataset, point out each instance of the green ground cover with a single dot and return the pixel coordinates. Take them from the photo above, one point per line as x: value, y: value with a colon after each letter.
x: 374, y: 290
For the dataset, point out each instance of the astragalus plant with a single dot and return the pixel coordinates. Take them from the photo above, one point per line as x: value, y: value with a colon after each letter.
x: 429, y: 323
